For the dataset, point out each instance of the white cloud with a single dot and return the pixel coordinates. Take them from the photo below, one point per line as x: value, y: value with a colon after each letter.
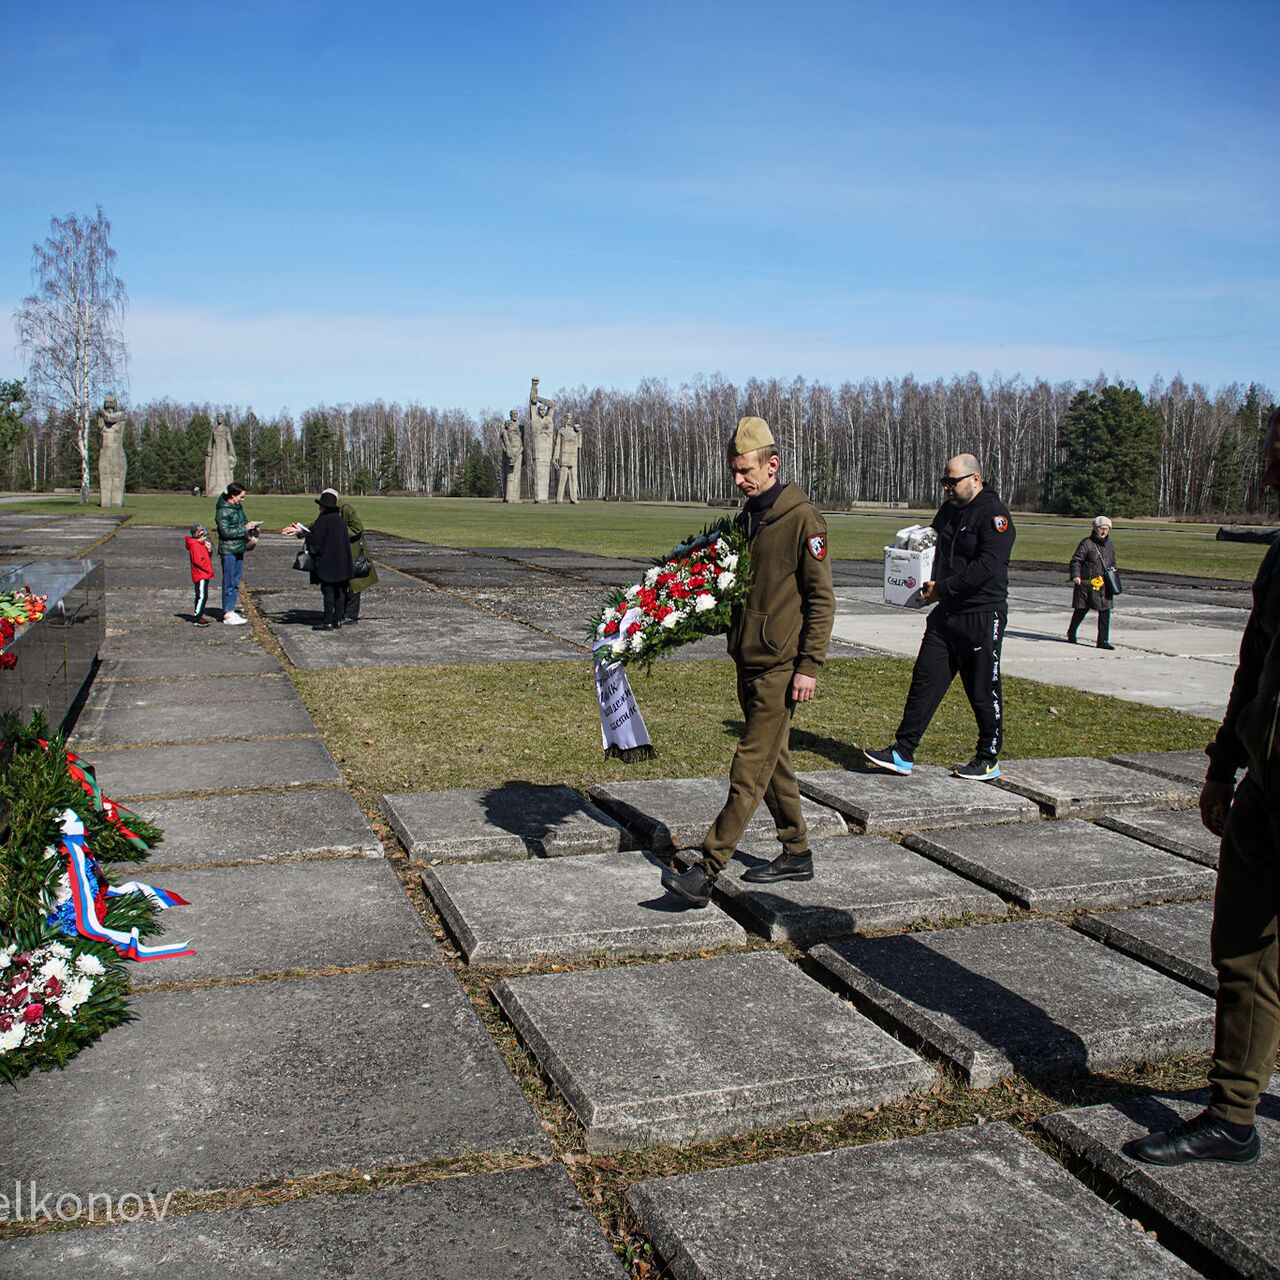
x: 485, y: 359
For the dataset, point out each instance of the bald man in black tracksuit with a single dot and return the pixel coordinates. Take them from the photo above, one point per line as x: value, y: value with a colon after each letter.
x: 965, y: 631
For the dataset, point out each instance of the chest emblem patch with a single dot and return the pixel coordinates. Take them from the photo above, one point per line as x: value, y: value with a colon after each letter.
x: 818, y: 546
x: 1001, y: 523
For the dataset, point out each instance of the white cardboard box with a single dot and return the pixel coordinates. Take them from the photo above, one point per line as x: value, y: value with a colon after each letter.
x: 905, y: 572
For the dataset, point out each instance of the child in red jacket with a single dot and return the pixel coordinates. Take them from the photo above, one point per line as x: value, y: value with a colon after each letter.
x: 200, y: 552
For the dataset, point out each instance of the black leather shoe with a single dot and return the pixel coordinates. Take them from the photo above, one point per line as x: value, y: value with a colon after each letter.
x: 786, y: 866
x: 1072, y: 640
x: 1105, y: 644
x: 694, y: 885
x: 1201, y: 1138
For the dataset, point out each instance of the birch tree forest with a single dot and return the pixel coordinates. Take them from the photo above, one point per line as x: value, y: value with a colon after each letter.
x: 874, y: 441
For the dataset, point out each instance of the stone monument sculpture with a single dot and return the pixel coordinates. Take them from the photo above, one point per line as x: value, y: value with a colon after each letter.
x: 219, y: 458
x: 542, y: 430
x: 567, y: 445
x: 112, y: 464
x: 512, y: 440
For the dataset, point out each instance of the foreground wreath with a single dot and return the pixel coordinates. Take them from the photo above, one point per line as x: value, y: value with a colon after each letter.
x: 64, y: 930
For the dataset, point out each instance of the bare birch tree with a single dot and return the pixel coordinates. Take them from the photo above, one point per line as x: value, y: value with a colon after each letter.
x: 70, y: 327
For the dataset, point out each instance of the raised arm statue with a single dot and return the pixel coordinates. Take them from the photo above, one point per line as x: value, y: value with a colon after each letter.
x: 542, y: 430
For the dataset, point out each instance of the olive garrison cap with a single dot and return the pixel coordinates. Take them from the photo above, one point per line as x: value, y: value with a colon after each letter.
x: 752, y: 434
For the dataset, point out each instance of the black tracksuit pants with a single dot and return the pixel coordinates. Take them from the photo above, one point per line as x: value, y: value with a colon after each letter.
x: 967, y: 644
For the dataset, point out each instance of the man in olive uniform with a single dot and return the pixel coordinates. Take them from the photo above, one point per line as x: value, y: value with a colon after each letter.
x: 777, y: 640
x: 964, y: 633
x: 1247, y: 902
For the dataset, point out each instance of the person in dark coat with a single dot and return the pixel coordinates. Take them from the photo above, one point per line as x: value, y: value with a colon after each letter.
x: 1093, y: 557
x: 329, y: 542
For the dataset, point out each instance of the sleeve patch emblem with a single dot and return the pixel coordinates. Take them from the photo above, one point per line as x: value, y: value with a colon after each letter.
x: 1001, y: 523
x: 818, y: 546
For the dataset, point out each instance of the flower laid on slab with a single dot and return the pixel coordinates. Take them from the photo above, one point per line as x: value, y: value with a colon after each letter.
x: 17, y: 608
x: 688, y: 595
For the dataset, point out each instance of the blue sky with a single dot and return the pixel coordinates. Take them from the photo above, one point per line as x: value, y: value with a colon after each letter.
x: 326, y: 203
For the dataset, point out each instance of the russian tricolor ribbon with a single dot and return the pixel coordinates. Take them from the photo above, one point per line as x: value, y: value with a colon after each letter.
x: 90, y: 903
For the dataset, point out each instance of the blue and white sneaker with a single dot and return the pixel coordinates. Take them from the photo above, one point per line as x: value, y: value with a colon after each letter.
x: 979, y: 769
x: 889, y: 760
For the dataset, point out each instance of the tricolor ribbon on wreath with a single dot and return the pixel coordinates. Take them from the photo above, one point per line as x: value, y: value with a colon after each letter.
x: 82, y: 904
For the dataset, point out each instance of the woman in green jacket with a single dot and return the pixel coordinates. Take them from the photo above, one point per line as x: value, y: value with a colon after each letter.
x: 358, y: 549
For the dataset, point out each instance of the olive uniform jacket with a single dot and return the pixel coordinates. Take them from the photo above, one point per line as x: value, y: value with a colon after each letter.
x: 786, y: 619
x: 1087, y: 564
x: 355, y: 530
x: 1250, y: 733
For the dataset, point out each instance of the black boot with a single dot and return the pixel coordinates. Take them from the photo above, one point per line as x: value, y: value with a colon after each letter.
x: 786, y: 866
x: 1203, y: 1137
x: 694, y: 885
x: 1076, y: 619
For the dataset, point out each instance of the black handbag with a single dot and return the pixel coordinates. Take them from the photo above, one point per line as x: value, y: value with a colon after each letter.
x: 1111, y: 578
x: 302, y: 561
x: 360, y: 567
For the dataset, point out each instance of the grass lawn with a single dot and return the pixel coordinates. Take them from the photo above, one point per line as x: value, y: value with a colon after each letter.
x: 477, y: 726
x: 647, y: 530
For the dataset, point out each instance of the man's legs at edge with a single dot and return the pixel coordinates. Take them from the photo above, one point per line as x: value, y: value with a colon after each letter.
x: 1247, y: 1019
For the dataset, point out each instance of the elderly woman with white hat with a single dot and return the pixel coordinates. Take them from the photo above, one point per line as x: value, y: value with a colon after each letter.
x: 1093, y: 572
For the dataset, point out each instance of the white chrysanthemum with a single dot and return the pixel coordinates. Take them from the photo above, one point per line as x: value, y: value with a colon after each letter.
x: 90, y: 964
x: 704, y: 602
x: 75, y: 994
x: 618, y: 647
x: 725, y: 580
x: 63, y: 892
x: 608, y: 615
x: 721, y: 547
x: 7, y: 954
x: 651, y: 576
x: 12, y: 1039
x: 55, y: 967
x: 632, y: 591
x: 59, y: 949
x: 673, y: 619
x: 637, y: 642
x: 730, y: 561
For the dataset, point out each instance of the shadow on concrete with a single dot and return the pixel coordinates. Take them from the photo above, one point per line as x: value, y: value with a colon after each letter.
x: 1035, y: 1045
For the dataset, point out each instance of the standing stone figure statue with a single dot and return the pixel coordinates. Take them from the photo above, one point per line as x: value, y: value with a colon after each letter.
x: 219, y: 457
x: 512, y: 440
x: 542, y: 430
x: 112, y: 464
x: 567, y: 444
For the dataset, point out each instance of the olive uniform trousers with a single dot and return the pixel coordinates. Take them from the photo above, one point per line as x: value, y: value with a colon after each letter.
x: 761, y: 770
x: 1246, y: 955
